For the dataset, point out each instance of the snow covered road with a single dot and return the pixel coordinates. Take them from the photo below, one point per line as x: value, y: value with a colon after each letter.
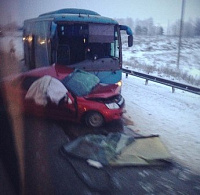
x: 154, y: 109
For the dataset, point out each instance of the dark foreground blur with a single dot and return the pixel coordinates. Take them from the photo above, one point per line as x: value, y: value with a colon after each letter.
x: 9, y: 64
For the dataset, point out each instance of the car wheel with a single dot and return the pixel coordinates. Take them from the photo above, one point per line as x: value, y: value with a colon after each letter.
x: 94, y: 119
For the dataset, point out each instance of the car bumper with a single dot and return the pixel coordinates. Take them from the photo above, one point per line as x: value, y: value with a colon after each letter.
x: 114, y: 114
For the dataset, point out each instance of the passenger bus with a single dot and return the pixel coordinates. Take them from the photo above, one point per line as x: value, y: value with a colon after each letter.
x: 78, y: 38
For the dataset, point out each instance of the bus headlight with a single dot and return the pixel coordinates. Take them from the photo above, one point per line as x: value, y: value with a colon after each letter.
x: 112, y: 106
x: 29, y: 38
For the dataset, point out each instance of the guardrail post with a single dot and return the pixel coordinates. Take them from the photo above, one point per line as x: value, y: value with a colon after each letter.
x: 173, y: 89
x: 146, y: 82
x: 127, y: 72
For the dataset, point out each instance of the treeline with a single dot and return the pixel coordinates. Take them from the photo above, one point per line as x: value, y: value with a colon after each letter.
x: 190, y: 28
x: 13, y: 26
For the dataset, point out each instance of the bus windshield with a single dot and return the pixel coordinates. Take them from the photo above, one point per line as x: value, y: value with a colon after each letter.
x: 80, y: 42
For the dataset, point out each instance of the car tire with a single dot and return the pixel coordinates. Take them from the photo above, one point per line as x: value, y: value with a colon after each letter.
x: 94, y: 119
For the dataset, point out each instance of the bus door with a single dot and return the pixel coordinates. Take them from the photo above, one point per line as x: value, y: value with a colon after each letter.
x: 72, y: 41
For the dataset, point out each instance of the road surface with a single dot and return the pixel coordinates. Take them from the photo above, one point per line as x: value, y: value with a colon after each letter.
x: 48, y: 171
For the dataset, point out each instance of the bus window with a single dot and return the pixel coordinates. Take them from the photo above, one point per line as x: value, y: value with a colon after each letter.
x: 41, y: 44
x: 75, y: 37
x: 103, y: 42
x: 63, y: 54
x: 115, y: 46
x: 85, y: 42
x: 99, y: 33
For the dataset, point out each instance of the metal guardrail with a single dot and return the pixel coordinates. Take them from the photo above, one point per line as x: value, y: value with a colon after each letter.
x: 174, y: 85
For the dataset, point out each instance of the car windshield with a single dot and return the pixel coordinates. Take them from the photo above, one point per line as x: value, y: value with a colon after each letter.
x: 80, y: 83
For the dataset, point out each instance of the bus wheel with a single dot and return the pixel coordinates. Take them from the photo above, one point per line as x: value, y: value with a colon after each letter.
x: 94, y: 119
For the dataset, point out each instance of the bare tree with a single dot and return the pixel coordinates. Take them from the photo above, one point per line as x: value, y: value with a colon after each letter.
x: 197, y: 27
x: 188, y: 29
x: 130, y: 23
x: 138, y: 30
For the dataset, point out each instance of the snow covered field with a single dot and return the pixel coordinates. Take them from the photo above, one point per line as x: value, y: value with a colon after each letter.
x: 157, y: 55
x: 153, y: 108
x: 12, y: 39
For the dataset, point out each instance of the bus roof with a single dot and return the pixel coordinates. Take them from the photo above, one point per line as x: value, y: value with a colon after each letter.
x: 71, y: 11
x: 75, y: 15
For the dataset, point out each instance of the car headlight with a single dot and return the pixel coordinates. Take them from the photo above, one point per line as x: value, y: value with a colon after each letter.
x: 112, y: 105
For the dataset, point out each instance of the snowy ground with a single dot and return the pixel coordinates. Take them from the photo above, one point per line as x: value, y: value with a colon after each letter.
x: 153, y: 108
x: 12, y: 39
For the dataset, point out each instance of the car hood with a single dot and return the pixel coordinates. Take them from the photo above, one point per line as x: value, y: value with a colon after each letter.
x: 104, y: 91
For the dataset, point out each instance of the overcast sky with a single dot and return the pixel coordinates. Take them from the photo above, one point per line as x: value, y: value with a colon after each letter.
x: 162, y: 11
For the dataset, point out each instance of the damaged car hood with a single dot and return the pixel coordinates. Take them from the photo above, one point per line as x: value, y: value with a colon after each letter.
x: 103, y: 91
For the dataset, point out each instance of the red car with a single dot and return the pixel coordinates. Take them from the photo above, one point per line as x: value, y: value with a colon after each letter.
x: 63, y: 93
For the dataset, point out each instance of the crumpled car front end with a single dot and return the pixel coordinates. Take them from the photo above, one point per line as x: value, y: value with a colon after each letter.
x: 104, y: 99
